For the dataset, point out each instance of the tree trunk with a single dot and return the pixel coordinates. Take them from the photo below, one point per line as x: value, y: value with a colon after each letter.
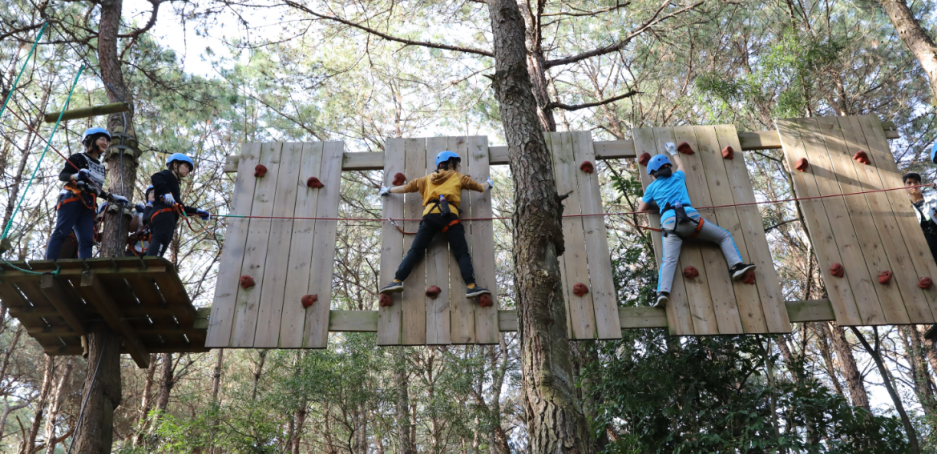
x: 555, y: 420
x: 920, y: 376
x: 300, y: 420
x: 262, y: 358
x: 166, y: 383
x: 101, y: 395
x: 215, y: 387
x: 847, y: 363
x: 47, y: 378
x: 915, y: 37
x: 404, y: 441
x: 56, y: 404
x: 146, y: 402
x: 823, y: 339
x: 537, y: 66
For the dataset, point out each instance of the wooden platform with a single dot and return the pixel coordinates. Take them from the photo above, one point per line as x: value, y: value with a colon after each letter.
x: 142, y: 299
x: 866, y: 233
x: 712, y: 303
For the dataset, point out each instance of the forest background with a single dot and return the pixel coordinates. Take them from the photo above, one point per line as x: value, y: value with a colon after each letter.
x: 320, y: 70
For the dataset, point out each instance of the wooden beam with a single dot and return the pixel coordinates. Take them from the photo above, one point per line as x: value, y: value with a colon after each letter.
x: 64, y: 303
x: 85, y: 112
x: 97, y: 295
x: 12, y: 275
x: 353, y: 321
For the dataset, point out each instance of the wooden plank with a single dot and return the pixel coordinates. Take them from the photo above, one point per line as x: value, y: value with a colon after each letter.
x: 64, y: 302
x: 316, y: 328
x: 602, y: 284
x: 279, y: 246
x: 461, y: 309
x: 642, y: 317
x: 697, y: 290
x: 10, y: 296
x: 413, y: 324
x: 507, y: 321
x: 232, y: 254
x: 678, y: 309
x: 255, y: 252
x: 390, y: 318
x: 481, y: 235
x: 293, y: 317
x: 362, y: 161
x: 581, y: 309
x: 753, y: 236
x: 810, y: 311
x: 725, y: 306
x: 892, y: 298
x: 840, y: 290
x: 352, y: 321
x: 554, y: 140
x: 97, y: 294
x: 437, y: 267
x: 614, y: 149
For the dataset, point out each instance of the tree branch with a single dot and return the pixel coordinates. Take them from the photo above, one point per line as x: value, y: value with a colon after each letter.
x: 581, y: 12
x: 149, y: 24
x: 559, y: 105
x: 409, y: 42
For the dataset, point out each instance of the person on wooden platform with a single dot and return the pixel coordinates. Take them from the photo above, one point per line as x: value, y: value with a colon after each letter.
x: 83, y: 175
x: 924, y: 200
x: 679, y: 221
x: 442, y: 194
x: 140, y: 234
x: 168, y: 203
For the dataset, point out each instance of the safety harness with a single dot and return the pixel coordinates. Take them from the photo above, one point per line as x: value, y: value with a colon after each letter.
x: 76, y: 196
x: 443, y: 206
x: 681, y: 218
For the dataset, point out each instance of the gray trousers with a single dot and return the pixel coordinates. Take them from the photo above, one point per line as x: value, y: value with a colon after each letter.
x: 672, y: 244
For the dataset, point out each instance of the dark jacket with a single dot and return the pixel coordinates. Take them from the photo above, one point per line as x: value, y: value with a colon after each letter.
x: 165, y: 182
x: 83, y: 161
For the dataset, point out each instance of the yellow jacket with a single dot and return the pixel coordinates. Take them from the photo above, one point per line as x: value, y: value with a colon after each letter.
x: 442, y: 182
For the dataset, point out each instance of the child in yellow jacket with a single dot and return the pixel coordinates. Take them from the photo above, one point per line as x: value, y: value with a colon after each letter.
x: 442, y: 195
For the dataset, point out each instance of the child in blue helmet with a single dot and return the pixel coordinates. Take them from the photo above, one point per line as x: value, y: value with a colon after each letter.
x: 167, y: 203
x: 442, y: 194
x: 83, y: 175
x: 679, y: 220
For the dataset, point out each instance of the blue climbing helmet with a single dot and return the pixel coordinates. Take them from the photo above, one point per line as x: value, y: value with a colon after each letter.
x: 444, y: 156
x: 933, y: 153
x: 180, y: 157
x: 91, y: 134
x: 656, y: 163
x: 146, y: 194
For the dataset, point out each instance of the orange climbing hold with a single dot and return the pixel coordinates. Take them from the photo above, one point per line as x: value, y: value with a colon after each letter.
x: 485, y: 301
x: 925, y: 283
x: 690, y: 272
x: 580, y: 289
x: 399, y: 179
x: 308, y: 300
x: 802, y: 164
x: 385, y: 300
x: 644, y: 159
x: 862, y: 157
x: 684, y: 148
x: 587, y: 167
x: 246, y: 281
x: 433, y: 291
x: 728, y: 152
x: 314, y: 183
x: 260, y: 170
x: 837, y: 270
x: 884, y: 277
x: 749, y: 277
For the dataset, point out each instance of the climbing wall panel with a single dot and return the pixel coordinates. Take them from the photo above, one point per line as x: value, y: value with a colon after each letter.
x: 712, y: 303
x: 286, y: 254
x: 450, y: 318
x: 866, y: 233
x: 586, y: 260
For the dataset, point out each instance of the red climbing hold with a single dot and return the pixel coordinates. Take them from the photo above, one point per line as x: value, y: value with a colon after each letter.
x: 587, y: 167
x: 690, y: 272
x: 485, y: 301
x: 433, y: 291
x: 862, y: 157
x: 385, y: 300
x: 399, y: 179
x: 314, y: 183
x: 684, y: 148
x: 925, y: 283
x: 884, y: 277
x: 260, y: 170
x: 644, y: 158
x: 307, y: 300
x: 837, y: 270
x: 749, y: 277
x: 802, y: 164
x: 580, y: 289
x: 246, y: 282
x: 728, y: 152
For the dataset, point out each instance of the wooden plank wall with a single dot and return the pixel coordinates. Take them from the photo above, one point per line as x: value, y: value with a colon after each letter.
x: 712, y: 303
x: 287, y: 258
x: 586, y: 258
x: 866, y: 233
x: 451, y: 318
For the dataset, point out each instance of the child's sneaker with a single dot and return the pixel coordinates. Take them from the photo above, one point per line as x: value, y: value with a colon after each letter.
x: 738, y: 271
x: 393, y: 287
x: 662, y: 298
x: 477, y: 291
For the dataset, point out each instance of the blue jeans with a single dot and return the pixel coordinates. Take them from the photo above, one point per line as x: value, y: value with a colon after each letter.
x: 73, y: 216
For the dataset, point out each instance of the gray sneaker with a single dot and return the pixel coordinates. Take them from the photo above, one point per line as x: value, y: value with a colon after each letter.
x: 477, y: 291
x: 738, y: 271
x: 662, y: 298
x: 393, y: 287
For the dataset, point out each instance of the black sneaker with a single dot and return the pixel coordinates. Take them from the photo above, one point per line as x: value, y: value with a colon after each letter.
x: 662, y: 298
x: 477, y: 291
x: 393, y: 287
x: 738, y: 271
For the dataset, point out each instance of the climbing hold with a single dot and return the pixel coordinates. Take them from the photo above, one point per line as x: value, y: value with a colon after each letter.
x: 684, y: 148
x: 433, y: 291
x: 307, y: 300
x: 690, y: 272
x: 587, y: 167
x: 314, y: 183
x: 728, y: 152
x: 385, y: 300
x: 862, y: 157
x: 884, y: 277
x: 925, y: 283
x: 580, y: 289
x: 246, y: 282
x: 260, y: 170
x: 802, y: 164
x: 644, y: 158
x: 485, y: 301
x: 837, y: 270
x: 749, y: 277
x: 399, y: 179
